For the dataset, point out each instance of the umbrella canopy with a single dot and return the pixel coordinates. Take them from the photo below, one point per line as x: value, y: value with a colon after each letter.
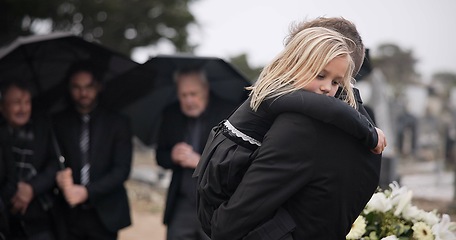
x: 44, y: 59
x: 143, y: 92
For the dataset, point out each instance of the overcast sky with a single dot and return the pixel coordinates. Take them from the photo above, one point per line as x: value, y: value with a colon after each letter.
x: 258, y: 27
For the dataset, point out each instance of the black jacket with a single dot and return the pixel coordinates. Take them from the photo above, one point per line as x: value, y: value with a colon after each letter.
x: 226, y: 156
x: 172, y: 130
x: 43, y: 161
x: 321, y: 175
x: 110, y: 161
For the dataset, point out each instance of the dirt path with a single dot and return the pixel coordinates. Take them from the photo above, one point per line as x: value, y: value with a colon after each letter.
x: 146, y: 204
x: 145, y: 226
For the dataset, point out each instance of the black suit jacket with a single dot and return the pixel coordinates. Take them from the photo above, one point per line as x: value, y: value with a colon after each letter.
x: 44, y: 161
x: 172, y: 131
x: 110, y: 161
x: 44, y: 157
x: 321, y: 175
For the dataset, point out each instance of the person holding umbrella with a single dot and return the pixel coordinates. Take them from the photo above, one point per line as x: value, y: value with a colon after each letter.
x: 183, y: 132
x: 97, y: 146
x: 29, y: 178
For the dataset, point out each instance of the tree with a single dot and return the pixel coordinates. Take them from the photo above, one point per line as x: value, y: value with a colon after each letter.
x: 448, y: 79
x: 241, y: 63
x: 397, y: 65
x: 117, y: 24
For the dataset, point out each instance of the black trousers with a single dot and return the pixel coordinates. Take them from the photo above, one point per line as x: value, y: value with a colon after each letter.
x: 85, y: 224
x: 184, y: 224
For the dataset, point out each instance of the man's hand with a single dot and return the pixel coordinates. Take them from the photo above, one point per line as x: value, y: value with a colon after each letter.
x: 22, y: 198
x: 64, y: 178
x: 76, y: 194
x: 183, y: 155
x: 381, y: 144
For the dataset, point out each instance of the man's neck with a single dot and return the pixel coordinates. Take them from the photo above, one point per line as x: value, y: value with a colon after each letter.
x: 83, y: 111
x: 86, y: 110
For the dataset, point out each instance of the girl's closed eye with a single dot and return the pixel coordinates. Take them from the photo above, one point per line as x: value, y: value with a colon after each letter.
x: 336, y: 83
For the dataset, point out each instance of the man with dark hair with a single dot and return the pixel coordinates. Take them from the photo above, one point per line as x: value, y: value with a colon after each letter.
x: 98, y: 150
x: 28, y: 165
x: 305, y: 167
x: 183, y: 133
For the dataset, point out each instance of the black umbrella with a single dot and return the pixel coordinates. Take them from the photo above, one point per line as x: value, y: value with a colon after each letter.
x: 146, y: 90
x: 44, y: 59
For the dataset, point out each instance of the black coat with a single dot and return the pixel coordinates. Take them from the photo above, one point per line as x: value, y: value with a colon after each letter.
x: 44, y: 157
x: 227, y: 156
x: 321, y: 175
x: 110, y: 161
x: 44, y: 161
x: 172, y: 131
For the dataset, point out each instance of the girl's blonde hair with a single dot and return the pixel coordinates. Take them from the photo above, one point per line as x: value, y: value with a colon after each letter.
x: 303, y: 58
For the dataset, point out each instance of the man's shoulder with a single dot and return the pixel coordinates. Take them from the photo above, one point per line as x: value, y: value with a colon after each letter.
x: 301, y: 121
x: 110, y: 116
x: 4, y: 131
x: 63, y: 115
x: 109, y: 112
x: 220, y: 105
x: 292, y: 127
x: 172, y: 109
x: 41, y: 123
x: 221, y: 101
x: 306, y: 127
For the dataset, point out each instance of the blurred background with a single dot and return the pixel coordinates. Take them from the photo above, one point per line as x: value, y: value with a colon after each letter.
x: 409, y: 82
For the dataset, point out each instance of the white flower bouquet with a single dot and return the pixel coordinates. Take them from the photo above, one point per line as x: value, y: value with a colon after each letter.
x: 390, y: 215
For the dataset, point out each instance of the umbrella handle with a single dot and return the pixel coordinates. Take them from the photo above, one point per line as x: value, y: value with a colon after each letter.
x: 60, y: 157
x: 61, y: 162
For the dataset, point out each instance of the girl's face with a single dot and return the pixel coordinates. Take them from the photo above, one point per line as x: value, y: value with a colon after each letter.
x: 328, y: 81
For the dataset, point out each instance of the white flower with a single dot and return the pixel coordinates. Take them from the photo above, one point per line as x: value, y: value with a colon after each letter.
x: 391, y: 212
x: 405, y: 198
x: 411, y: 213
x: 442, y: 230
x: 422, y: 231
x: 358, y: 228
x: 392, y: 237
x: 430, y: 218
x: 379, y: 202
x: 396, y: 191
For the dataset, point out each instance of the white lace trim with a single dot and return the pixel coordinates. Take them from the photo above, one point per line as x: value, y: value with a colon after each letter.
x: 241, y: 134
